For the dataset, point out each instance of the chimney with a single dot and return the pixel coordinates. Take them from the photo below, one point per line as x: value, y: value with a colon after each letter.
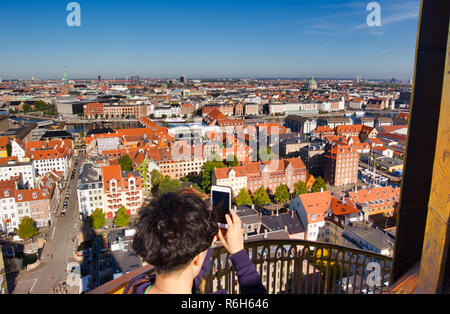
x: 292, y: 214
x: 321, y: 190
x: 245, y: 236
x: 286, y: 229
x: 266, y: 235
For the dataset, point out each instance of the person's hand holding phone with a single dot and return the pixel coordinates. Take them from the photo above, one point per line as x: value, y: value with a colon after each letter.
x: 232, y: 238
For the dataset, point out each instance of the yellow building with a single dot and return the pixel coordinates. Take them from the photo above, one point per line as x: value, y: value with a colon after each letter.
x: 4, y: 140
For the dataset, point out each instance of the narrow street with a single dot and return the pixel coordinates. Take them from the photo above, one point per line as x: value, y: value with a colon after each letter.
x: 58, y: 251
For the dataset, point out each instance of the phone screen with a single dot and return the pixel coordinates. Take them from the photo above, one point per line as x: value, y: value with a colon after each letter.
x: 221, y: 205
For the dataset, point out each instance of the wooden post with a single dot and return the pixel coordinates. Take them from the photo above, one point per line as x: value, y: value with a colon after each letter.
x: 435, y: 263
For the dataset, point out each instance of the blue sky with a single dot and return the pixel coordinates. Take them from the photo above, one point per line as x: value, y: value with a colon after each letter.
x: 245, y: 38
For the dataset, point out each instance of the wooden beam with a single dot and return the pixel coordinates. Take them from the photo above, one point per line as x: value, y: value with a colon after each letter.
x: 421, y: 143
x: 437, y: 233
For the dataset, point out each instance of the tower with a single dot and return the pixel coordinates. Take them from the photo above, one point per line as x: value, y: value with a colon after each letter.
x: 66, y: 80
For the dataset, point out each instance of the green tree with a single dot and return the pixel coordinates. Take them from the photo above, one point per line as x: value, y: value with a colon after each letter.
x: 261, y: 197
x: 168, y: 185
x: 282, y: 194
x: 318, y: 185
x: 27, y: 229
x: 126, y: 164
x: 300, y: 188
x: 8, y: 149
x: 244, y: 198
x: 232, y: 161
x: 122, y: 218
x: 82, y: 135
x: 207, y: 171
x: 26, y: 108
x: 265, y: 154
x: 98, y: 218
x: 155, y: 178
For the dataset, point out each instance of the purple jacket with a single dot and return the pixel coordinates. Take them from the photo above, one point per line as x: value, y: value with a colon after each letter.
x: 248, y: 278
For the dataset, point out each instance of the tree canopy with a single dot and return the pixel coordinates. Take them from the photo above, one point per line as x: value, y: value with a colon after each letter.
x: 318, y: 185
x: 265, y: 154
x: 167, y: 185
x: 156, y: 178
x: 282, y: 194
x: 244, y: 198
x: 207, y: 171
x: 98, y: 218
x: 126, y: 164
x: 232, y: 161
x: 27, y: 229
x: 261, y: 197
x: 122, y: 218
x: 300, y: 188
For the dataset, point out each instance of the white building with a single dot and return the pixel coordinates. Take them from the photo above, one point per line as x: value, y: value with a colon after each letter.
x: 53, y: 155
x: 8, y: 213
x: 312, y: 210
x: 107, y: 143
x: 235, y: 178
x: 17, y: 169
x: 18, y: 150
x: 159, y: 112
x: 89, y: 189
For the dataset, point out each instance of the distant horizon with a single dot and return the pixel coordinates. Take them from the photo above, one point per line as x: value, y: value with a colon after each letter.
x: 211, y: 78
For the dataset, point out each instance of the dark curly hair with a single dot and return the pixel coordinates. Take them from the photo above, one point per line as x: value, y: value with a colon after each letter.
x: 173, y: 229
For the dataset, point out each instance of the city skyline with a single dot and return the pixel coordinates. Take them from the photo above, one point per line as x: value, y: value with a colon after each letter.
x: 283, y: 39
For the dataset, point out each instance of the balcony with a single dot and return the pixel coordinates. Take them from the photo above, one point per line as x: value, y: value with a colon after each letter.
x: 291, y: 267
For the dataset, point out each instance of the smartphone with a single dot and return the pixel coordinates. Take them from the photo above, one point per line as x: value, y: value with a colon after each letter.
x: 221, y: 203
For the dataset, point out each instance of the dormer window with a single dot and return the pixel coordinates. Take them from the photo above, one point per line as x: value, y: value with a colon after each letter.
x: 20, y: 197
x: 34, y: 195
x: 6, y: 193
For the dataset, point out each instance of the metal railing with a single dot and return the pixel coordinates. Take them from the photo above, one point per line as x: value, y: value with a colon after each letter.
x: 293, y: 267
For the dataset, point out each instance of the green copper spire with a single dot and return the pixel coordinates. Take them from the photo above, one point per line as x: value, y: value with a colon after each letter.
x: 66, y: 80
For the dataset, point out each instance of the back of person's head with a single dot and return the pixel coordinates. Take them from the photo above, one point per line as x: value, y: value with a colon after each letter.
x: 173, y: 229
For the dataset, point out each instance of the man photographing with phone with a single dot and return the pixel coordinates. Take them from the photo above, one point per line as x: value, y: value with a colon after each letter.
x: 175, y: 234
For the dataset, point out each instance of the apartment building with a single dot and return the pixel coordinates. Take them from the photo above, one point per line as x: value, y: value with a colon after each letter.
x: 8, y: 214
x: 235, y: 178
x: 376, y: 201
x: 312, y: 210
x: 90, y: 189
x: 18, y: 149
x: 11, y: 167
x: 251, y: 109
x: 356, y: 130
x: 121, y: 188
x: 341, y: 165
x: 51, y: 155
x: 269, y: 174
x: 93, y: 110
x: 323, y: 216
x: 226, y: 109
x: 300, y: 125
